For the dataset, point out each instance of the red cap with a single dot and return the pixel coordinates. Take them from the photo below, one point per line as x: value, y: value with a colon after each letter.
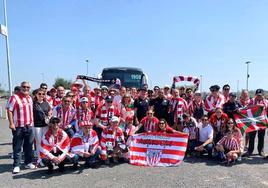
x: 129, y: 118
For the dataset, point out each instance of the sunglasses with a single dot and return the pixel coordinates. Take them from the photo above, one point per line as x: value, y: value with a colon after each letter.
x: 84, y: 102
x: 226, y: 89
x: 71, y: 95
x: 67, y: 101
x: 40, y: 94
x: 44, y: 87
x: 161, y: 123
x: 204, y: 119
x: 28, y: 87
x: 230, y: 123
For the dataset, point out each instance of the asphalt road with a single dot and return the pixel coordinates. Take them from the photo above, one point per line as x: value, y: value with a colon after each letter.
x: 193, y: 172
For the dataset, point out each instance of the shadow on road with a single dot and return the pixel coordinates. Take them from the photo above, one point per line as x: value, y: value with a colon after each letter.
x: 5, y: 144
x: 5, y: 168
x: 254, y: 159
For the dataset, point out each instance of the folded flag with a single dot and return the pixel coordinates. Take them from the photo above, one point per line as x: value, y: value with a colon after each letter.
x: 251, y: 119
x: 157, y: 149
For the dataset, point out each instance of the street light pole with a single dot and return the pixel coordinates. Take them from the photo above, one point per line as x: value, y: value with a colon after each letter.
x: 248, y: 62
x: 201, y: 84
x: 7, y: 51
x: 87, y: 61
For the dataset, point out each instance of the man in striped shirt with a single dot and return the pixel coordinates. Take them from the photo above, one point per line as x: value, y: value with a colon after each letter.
x: 20, y: 115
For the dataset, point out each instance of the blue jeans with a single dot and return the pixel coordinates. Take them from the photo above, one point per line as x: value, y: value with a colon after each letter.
x: 22, y: 136
x: 208, y: 148
x: 90, y: 160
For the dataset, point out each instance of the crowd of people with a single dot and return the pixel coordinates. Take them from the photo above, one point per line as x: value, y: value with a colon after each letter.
x: 93, y: 125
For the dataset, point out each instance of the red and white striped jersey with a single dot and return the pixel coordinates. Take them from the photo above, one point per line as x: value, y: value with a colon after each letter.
x: 84, y: 143
x: 230, y: 144
x: 128, y: 129
x: 57, y: 101
x: 211, y: 103
x: 22, y: 109
x: 244, y: 103
x: 194, y: 105
x: 179, y: 107
x: 219, y: 124
x: 110, y: 137
x: 84, y: 115
x: 104, y: 113
x: 49, y: 100
x: 150, y: 125
x: 52, y: 144
x: 67, y: 116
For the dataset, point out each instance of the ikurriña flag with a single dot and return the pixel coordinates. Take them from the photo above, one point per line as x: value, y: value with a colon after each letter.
x: 251, y: 119
x: 157, y: 149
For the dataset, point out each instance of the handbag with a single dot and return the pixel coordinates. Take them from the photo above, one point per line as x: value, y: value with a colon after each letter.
x: 46, y: 118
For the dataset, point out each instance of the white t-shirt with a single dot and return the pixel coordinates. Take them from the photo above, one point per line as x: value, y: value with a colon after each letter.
x: 205, y: 132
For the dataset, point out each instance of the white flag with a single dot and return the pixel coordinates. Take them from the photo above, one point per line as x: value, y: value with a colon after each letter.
x: 3, y: 30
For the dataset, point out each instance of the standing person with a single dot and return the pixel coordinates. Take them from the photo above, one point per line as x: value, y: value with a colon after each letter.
x: 160, y: 105
x: 189, y: 95
x: 84, y: 112
x: 126, y: 107
x: 259, y: 99
x: 44, y: 87
x: 67, y: 115
x: 225, y: 92
x: 55, y: 145
x: 214, y: 100
x: 141, y: 104
x: 231, y: 106
x: 20, y: 115
x: 179, y: 107
x: 244, y: 98
x: 42, y: 112
x: 60, y: 95
x: 167, y: 92
x: 53, y: 95
x: 196, y: 107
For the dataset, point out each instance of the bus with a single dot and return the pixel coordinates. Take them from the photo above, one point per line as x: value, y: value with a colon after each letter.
x: 129, y: 76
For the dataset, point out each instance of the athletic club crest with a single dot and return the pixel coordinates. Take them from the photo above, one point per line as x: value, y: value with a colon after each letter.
x: 153, y: 157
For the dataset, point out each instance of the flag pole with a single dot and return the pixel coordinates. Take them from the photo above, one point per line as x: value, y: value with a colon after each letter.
x: 7, y: 51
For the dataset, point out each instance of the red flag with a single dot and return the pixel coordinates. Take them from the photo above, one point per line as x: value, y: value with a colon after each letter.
x: 157, y: 149
x: 251, y: 119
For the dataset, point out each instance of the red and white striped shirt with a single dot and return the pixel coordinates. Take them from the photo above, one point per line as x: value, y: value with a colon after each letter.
x: 230, y: 144
x: 150, y: 125
x: 263, y: 102
x: 179, y: 107
x: 104, y: 113
x: 67, y: 116
x: 57, y: 101
x: 22, y: 108
x: 108, y: 135
x: 52, y: 144
x: 84, y: 115
x: 211, y: 103
x: 84, y: 143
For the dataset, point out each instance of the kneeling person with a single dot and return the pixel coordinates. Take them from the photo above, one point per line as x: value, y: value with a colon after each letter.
x: 85, y: 145
x: 55, y: 145
x: 112, y: 142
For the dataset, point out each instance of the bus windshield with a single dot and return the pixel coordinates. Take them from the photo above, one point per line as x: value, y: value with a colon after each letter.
x: 128, y: 77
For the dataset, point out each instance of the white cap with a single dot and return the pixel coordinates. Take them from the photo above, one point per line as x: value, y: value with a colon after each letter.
x: 84, y: 99
x: 114, y: 119
x: 166, y: 86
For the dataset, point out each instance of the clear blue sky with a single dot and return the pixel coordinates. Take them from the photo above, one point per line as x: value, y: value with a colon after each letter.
x: 164, y: 38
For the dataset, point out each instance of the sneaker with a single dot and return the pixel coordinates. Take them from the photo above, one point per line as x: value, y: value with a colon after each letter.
x: 239, y: 159
x: 30, y: 166
x: 247, y: 154
x: 262, y: 154
x: 16, y: 170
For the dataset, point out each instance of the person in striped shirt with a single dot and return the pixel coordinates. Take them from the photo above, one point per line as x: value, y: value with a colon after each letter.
x: 228, y: 147
x: 67, y: 114
x: 20, y: 115
x: 55, y: 145
x: 112, y: 142
x: 85, y: 145
x: 149, y: 122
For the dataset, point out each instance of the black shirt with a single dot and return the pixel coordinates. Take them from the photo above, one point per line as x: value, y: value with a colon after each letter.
x: 142, y: 106
x: 39, y: 112
x: 230, y: 107
x: 160, y: 107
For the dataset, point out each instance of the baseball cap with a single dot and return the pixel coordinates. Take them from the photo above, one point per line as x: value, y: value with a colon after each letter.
x: 84, y: 99
x: 166, y: 86
x: 54, y: 120
x: 104, y: 88
x: 214, y: 88
x: 108, y: 99
x: 114, y: 119
x: 53, y: 89
x: 232, y: 94
x: 259, y: 91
